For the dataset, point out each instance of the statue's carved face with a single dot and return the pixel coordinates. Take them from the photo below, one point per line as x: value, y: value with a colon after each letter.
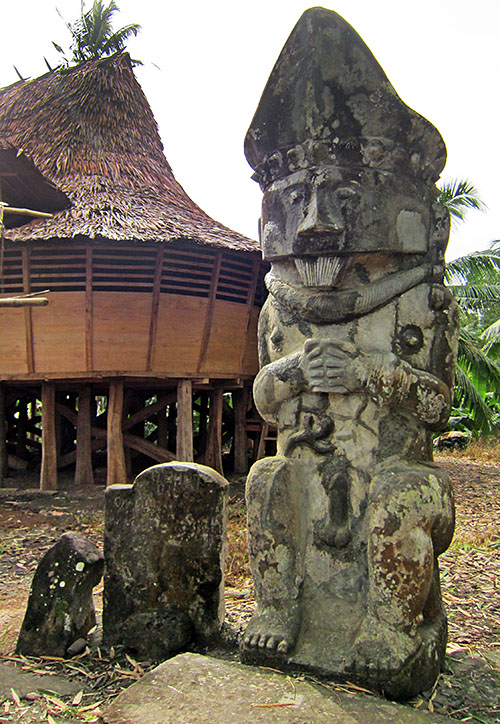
x: 332, y: 211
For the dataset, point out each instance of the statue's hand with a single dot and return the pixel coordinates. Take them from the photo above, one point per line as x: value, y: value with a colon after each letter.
x: 332, y: 366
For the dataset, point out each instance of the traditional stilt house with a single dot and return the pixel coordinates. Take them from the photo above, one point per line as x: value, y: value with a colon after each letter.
x: 153, y: 305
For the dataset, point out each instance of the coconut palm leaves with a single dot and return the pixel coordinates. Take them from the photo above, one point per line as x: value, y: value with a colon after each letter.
x: 93, y: 34
x: 474, y: 281
x: 459, y: 197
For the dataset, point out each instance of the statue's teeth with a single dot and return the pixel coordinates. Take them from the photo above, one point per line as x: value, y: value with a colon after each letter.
x: 319, y: 271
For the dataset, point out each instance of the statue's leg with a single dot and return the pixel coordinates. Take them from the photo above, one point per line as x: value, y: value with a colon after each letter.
x: 410, y: 523
x: 274, y: 510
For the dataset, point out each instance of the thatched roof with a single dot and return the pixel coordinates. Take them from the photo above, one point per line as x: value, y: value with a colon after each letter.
x: 90, y: 131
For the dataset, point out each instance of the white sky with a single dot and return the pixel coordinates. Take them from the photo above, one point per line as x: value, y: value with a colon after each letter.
x: 214, y: 57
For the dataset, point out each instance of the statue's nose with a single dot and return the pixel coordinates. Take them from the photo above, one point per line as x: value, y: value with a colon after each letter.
x: 322, y: 215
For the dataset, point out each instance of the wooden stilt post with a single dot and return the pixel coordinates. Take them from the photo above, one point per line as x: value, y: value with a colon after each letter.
x: 83, y: 471
x: 48, y: 472
x: 184, y: 450
x: 117, y: 473
x: 3, y: 436
x: 213, y: 455
x: 240, y: 407
x: 161, y: 423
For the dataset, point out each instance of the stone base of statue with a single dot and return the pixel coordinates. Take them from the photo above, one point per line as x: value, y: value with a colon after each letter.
x: 329, y: 654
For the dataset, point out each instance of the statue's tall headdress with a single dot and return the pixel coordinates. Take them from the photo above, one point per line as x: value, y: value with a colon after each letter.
x: 329, y: 101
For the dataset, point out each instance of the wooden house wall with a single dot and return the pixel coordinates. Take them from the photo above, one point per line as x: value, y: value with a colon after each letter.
x: 130, y: 310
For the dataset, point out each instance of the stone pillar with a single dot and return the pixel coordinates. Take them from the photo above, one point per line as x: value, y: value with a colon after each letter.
x: 164, y: 546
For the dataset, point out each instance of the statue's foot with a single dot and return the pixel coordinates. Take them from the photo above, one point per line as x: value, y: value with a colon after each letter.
x: 381, y: 649
x: 272, y: 630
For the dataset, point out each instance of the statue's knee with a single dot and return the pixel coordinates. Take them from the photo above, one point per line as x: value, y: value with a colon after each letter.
x: 415, y: 496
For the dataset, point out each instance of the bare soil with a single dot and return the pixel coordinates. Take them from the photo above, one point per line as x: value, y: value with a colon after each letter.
x: 467, y: 690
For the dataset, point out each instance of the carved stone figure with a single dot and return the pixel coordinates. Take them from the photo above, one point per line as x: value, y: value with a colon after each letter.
x: 357, y: 344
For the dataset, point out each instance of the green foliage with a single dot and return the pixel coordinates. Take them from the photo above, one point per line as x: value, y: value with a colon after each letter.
x: 459, y: 196
x: 475, y: 283
x: 93, y: 36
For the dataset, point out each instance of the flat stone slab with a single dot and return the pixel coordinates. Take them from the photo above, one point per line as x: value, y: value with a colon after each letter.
x: 24, y: 683
x: 194, y: 689
x: 191, y: 689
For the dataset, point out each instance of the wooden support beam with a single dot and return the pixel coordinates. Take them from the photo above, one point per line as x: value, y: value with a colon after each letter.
x: 149, y: 411
x: 162, y: 429
x: 48, y: 472
x: 117, y: 473
x: 3, y: 437
x: 155, y: 302
x: 210, y: 310
x: 84, y: 474
x: 213, y: 455
x: 28, y: 320
x: 240, y: 408
x: 185, y: 450
x: 160, y: 454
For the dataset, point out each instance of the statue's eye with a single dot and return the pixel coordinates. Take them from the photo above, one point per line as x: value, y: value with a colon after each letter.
x: 345, y: 192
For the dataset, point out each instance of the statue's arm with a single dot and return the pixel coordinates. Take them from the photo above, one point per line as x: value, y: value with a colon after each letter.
x: 279, y: 379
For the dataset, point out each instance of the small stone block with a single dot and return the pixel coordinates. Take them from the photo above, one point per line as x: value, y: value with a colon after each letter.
x: 164, y: 545
x: 60, y: 606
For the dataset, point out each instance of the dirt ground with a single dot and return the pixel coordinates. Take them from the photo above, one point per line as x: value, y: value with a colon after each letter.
x: 467, y: 690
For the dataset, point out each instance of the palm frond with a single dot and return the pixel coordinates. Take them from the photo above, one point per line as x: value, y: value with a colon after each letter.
x: 472, y: 358
x: 459, y: 196
x: 491, y: 337
x: 478, y: 264
x: 466, y: 395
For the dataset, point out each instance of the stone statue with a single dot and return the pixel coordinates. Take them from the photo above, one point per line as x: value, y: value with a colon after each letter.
x: 357, y: 344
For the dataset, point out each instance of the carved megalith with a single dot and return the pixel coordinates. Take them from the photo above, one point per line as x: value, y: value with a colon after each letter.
x: 164, y: 545
x: 60, y: 605
x: 357, y: 344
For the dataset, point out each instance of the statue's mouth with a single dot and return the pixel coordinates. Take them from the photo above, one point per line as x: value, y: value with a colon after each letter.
x: 320, y: 272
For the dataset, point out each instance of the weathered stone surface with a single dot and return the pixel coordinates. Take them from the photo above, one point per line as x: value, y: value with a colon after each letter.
x: 60, y: 607
x: 193, y: 689
x: 196, y: 689
x: 25, y: 683
x: 357, y: 345
x: 165, y: 549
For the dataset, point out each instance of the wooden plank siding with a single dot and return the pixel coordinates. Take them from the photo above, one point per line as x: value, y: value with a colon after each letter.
x: 133, y: 310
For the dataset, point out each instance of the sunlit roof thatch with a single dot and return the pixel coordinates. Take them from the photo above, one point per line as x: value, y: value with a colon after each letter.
x: 90, y: 131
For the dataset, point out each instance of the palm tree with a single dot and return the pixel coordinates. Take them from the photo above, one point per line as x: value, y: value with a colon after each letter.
x: 459, y: 197
x: 93, y: 36
x: 473, y: 279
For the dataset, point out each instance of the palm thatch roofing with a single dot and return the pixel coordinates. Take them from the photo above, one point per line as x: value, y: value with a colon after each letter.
x: 90, y: 131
